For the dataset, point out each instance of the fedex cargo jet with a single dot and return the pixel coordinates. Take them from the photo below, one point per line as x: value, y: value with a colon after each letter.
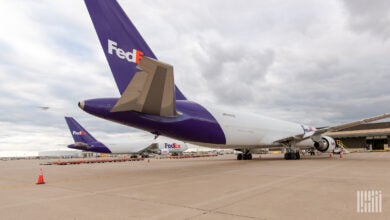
x: 85, y: 141
x: 151, y: 101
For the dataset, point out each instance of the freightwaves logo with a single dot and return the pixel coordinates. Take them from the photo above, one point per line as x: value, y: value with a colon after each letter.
x: 82, y: 133
x: 134, y: 57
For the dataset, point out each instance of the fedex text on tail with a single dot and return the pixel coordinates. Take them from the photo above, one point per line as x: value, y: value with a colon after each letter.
x: 134, y: 57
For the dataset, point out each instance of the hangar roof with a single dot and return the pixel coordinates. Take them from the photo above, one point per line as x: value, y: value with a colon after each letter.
x: 363, y: 130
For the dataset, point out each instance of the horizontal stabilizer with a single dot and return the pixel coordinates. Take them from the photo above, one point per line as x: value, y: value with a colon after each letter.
x: 152, y: 91
x: 81, y: 145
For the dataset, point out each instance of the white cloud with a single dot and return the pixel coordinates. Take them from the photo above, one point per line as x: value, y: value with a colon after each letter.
x: 370, y: 17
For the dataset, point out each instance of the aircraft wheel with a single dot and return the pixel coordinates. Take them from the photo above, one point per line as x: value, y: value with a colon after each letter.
x: 239, y: 156
x: 293, y: 156
x: 249, y: 156
x: 297, y: 155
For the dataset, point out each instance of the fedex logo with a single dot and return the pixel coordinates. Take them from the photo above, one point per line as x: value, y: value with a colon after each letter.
x: 172, y: 146
x: 134, y: 56
x: 307, y: 129
x: 82, y: 133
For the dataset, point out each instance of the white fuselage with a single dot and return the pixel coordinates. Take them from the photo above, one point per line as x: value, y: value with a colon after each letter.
x: 250, y: 130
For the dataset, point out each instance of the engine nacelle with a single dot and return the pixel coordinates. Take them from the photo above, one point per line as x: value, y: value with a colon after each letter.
x: 326, y: 144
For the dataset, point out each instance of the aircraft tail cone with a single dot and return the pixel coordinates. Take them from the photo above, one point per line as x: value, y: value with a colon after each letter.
x: 40, y: 178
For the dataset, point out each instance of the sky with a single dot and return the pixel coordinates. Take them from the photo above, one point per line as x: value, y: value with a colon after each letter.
x: 312, y: 62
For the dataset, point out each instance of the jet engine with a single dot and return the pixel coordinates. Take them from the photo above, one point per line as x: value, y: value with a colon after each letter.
x: 325, y: 144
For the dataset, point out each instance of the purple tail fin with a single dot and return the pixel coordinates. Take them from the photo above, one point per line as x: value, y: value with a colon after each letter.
x: 83, y: 139
x: 122, y: 44
x: 78, y: 133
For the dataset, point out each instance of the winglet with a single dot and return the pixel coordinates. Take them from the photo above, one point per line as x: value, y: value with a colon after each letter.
x: 152, y: 91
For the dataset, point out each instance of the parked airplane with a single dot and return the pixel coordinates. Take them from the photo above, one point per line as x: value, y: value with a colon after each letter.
x: 150, y: 100
x: 85, y: 141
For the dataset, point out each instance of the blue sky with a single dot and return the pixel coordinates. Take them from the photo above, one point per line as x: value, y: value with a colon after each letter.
x: 313, y: 62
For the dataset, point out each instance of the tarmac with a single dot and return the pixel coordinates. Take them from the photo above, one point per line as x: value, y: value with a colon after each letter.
x: 315, y: 187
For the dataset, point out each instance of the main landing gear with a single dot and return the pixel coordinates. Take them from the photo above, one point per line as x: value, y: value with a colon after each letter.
x: 292, y: 154
x: 244, y: 156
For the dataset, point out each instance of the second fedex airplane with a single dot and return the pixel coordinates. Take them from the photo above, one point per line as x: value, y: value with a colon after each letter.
x: 150, y: 100
x: 85, y: 141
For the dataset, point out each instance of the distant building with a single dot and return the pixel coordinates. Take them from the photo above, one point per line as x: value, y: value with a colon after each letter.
x: 373, y: 136
x: 60, y: 153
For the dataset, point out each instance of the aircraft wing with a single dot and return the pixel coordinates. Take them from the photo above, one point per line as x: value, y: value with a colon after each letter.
x: 287, y: 140
x: 317, y: 133
x: 351, y: 124
x: 151, y: 91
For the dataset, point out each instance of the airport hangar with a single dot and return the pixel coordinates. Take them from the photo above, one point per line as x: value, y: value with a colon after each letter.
x: 372, y: 136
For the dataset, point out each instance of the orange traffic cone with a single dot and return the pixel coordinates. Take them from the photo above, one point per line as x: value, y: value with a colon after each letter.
x: 330, y: 155
x: 148, y: 160
x: 341, y: 155
x: 40, y: 178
